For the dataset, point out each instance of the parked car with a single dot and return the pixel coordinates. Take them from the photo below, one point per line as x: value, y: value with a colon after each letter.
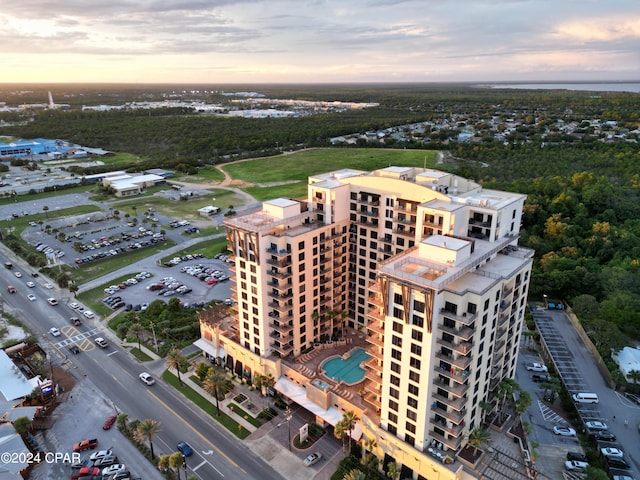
x: 540, y: 377
x: 605, y: 436
x: 564, y: 431
x: 312, y: 459
x: 108, y: 423
x: 596, y: 425
x: 617, y: 462
x: 31, y: 297
x: 575, y: 466
x: 52, y: 301
x: 577, y: 456
x: 612, y: 452
x: 537, y: 367
x: 55, y: 332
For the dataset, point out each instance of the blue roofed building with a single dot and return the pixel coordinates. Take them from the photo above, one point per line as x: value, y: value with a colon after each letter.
x: 36, y: 147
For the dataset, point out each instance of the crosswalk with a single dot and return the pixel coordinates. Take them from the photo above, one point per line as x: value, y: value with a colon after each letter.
x: 74, y: 336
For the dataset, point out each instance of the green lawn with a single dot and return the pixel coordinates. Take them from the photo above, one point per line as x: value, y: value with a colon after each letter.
x: 183, y: 209
x: 286, y: 175
x: 205, y: 174
x: 207, y: 406
x: 207, y: 247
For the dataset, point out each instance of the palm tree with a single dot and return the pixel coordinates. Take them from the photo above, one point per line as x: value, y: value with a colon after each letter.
x: 505, y: 390
x: 22, y: 425
x: 123, y: 422
x: 343, y: 316
x: 136, y: 329
x: 176, y: 461
x: 346, y: 426
x: 634, y: 375
x: 146, y: 431
x: 216, y: 385
x: 478, y: 438
x: 332, y: 315
x: 355, y: 474
x: 46, y: 210
x: 393, y: 470
x: 176, y: 360
x: 522, y: 403
x: 485, y: 408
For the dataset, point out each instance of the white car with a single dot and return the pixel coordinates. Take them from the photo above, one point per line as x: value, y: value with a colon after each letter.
x: 55, y: 332
x: 101, y: 342
x: 312, y: 459
x: 575, y: 466
x: 48, y: 286
x: 537, y: 367
x: 88, y: 314
x: 31, y: 297
x: 612, y: 452
x: 564, y: 431
x: 18, y: 274
x: 52, y: 301
x: 73, y: 305
x: 595, y: 425
x: 100, y: 454
x: 112, y: 469
x: 31, y: 284
x: 147, y: 378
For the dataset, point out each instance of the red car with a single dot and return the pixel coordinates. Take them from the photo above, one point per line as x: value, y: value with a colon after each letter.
x: 108, y: 423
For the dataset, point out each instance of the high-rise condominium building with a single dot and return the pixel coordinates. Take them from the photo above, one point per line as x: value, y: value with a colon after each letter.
x: 412, y: 275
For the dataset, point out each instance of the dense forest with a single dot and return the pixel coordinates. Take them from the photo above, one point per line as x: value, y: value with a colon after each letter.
x: 582, y: 215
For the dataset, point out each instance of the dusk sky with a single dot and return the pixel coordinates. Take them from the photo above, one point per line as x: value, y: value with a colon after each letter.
x: 292, y: 41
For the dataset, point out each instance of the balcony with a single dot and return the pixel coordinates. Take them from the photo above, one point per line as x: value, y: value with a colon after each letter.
x: 376, y: 340
x: 403, y: 219
x: 375, y: 313
x: 459, y: 376
x: 376, y: 300
x: 284, y: 329
x: 460, y: 347
x: 374, y: 377
x: 373, y: 399
x: 376, y: 326
x: 461, y: 362
x: 457, y: 403
x: 283, y: 350
x: 456, y: 389
x: 280, y: 274
x: 406, y: 207
x: 283, y: 262
x: 480, y: 223
x: 451, y: 415
x: 463, y: 333
x: 280, y: 307
x: 373, y: 364
x: 451, y: 443
x: 374, y: 201
x: 466, y: 318
x: 405, y: 232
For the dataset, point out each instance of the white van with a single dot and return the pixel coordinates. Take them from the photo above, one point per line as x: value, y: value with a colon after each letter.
x: 585, y: 397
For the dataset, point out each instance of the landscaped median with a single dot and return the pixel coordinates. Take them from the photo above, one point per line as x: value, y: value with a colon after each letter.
x: 209, y: 407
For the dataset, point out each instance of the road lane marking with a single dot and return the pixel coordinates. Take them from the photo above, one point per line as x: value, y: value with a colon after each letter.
x: 204, y: 439
x: 204, y: 462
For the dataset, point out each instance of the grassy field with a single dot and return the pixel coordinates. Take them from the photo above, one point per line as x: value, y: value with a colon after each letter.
x: 207, y: 247
x: 182, y: 209
x: 205, y: 174
x: 286, y: 175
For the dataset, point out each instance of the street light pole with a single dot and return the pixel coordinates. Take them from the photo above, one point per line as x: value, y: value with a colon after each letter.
x: 155, y: 340
x: 288, y: 414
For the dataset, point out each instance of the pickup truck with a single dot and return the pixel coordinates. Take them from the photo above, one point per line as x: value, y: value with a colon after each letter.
x: 85, y: 445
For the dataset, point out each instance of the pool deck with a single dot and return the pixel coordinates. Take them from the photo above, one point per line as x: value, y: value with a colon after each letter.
x: 310, y: 364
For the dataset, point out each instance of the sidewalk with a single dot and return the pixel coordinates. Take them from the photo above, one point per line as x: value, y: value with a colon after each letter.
x: 269, y: 441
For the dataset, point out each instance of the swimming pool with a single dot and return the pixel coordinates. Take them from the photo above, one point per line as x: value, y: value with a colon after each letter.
x: 346, y: 368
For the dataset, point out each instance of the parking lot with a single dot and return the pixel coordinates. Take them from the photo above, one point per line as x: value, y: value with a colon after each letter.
x: 605, y: 423
x: 194, y: 280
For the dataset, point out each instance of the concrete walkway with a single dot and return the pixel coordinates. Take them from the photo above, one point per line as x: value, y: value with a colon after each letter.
x: 270, y: 441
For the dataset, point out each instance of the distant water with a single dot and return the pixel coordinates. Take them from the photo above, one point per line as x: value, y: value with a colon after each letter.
x: 591, y: 87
